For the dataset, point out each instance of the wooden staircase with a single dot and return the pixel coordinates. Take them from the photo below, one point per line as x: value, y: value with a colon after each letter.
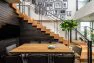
x: 37, y: 24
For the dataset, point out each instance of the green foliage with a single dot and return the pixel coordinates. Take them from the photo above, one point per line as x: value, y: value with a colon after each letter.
x: 68, y: 24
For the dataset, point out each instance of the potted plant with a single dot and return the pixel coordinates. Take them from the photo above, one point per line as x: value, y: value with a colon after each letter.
x: 68, y: 25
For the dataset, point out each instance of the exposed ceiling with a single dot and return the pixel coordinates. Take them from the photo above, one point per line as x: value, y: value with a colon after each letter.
x: 12, y: 1
x: 88, y: 18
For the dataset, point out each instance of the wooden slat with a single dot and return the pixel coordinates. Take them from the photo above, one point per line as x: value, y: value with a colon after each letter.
x: 21, y: 15
x: 17, y: 10
x: 61, y: 39
x: 34, y: 23
x: 39, y: 26
x: 43, y: 28
x: 52, y: 34
x: 48, y: 31
x: 56, y: 36
x: 30, y: 20
x: 65, y: 42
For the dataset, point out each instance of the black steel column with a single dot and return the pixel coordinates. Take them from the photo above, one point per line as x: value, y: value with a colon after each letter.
x: 19, y: 7
x: 89, y: 0
x: 85, y: 31
x: 76, y: 10
x: 89, y: 51
x: 40, y: 4
x: 70, y: 36
x: 76, y: 34
x: 76, y: 5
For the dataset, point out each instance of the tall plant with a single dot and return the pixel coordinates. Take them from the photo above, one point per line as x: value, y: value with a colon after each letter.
x: 68, y: 25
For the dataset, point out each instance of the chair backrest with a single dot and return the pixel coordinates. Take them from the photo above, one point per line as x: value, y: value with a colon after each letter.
x: 9, y: 48
x: 13, y: 59
x: 77, y: 49
x: 37, y: 58
x: 64, y: 58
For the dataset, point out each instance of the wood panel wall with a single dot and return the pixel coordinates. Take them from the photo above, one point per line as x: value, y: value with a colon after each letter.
x: 7, y: 14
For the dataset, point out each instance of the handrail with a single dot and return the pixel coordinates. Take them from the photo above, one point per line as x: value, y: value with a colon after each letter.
x: 89, y: 46
x: 90, y: 27
x: 82, y: 35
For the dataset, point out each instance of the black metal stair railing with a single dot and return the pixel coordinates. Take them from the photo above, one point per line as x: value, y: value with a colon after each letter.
x: 89, y: 45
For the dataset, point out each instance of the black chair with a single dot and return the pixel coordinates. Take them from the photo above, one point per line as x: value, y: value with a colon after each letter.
x: 13, y: 59
x: 64, y: 58
x: 37, y: 58
x: 77, y: 50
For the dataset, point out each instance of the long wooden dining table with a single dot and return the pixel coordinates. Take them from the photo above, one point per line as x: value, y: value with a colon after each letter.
x: 41, y: 48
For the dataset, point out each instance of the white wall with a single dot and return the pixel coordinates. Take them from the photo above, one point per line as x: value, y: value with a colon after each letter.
x: 71, y: 7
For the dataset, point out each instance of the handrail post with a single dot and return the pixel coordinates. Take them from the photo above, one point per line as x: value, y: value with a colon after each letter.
x: 76, y: 34
x: 19, y: 6
x: 85, y: 31
x: 89, y: 51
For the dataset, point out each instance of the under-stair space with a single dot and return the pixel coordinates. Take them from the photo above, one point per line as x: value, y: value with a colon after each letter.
x: 30, y: 34
x: 9, y: 31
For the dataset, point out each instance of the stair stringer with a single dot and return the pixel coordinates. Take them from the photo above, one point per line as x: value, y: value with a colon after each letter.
x: 37, y: 24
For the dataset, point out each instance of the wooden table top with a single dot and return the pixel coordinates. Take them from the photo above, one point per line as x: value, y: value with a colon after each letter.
x: 34, y: 48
